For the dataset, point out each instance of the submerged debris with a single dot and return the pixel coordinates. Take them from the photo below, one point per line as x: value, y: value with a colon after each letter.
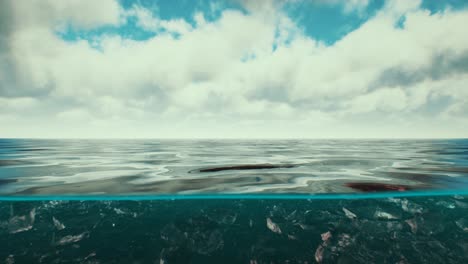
x: 384, y: 215
x: 118, y: 211
x: 344, y: 240
x: 462, y: 224
x: 10, y: 259
x: 71, y: 239
x: 90, y: 255
x: 349, y: 214
x: 21, y: 223
x: 321, y: 248
x: 166, y: 254
x: 461, y: 204
x: 411, y: 207
x: 58, y: 225
x: 273, y: 226
x: 413, y: 225
x: 326, y: 236
x: 292, y: 216
x: 446, y: 204
x: 319, y: 254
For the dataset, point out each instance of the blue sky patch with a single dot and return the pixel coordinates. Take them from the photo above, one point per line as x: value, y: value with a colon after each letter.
x: 327, y: 23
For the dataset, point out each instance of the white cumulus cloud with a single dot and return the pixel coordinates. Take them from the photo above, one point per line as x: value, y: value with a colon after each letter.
x: 252, y: 74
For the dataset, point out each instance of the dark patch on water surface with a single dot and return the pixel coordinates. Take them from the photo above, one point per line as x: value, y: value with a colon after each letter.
x: 378, y: 187
x: 246, y: 167
x: 439, y: 169
x: 7, y: 181
x: 11, y: 162
x: 22, y: 147
x: 446, y: 152
x: 32, y: 149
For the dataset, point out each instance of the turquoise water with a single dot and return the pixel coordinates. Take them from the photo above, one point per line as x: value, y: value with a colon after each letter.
x: 233, y: 201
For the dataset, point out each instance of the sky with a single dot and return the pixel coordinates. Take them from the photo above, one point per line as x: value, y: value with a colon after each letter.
x: 234, y: 69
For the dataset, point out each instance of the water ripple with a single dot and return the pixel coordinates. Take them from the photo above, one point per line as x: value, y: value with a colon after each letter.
x: 120, y: 167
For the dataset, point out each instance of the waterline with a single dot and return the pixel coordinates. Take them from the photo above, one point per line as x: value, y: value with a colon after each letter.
x: 347, y: 196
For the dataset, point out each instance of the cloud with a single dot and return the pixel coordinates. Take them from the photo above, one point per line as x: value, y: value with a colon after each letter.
x: 348, y: 5
x: 355, y: 5
x: 29, y: 26
x: 399, y: 7
x: 18, y: 104
x: 386, y: 99
x: 147, y: 21
x: 254, y: 71
x: 77, y: 13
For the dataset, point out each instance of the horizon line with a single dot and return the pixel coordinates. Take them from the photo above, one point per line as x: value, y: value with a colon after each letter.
x: 242, y: 138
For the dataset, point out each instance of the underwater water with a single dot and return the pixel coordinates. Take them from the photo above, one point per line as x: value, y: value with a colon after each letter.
x: 233, y: 201
x: 385, y: 230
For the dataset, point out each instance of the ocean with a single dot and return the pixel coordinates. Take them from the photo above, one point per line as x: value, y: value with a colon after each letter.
x: 233, y: 201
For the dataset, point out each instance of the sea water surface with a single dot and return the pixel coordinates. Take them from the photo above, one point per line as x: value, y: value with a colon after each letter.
x: 122, y: 167
x: 233, y: 201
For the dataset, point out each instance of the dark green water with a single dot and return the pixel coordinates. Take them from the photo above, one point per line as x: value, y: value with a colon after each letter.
x: 389, y: 230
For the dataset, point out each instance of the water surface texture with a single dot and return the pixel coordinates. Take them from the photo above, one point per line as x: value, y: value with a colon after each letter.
x: 153, y: 167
